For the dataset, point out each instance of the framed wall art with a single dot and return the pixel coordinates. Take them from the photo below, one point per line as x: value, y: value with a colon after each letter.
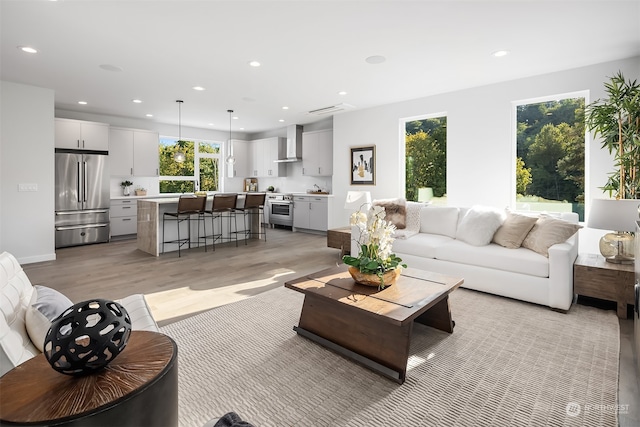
x: 363, y: 164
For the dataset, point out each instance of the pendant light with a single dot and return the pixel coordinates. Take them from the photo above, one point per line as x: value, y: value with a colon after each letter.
x: 230, y: 159
x: 179, y: 156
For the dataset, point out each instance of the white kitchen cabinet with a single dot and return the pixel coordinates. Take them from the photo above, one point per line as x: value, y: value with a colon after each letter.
x: 263, y: 153
x: 242, y: 167
x: 133, y: 152
x: 124, y: 217
x: 310, y: 213
x: 78, y: 134
x: 317, y: 153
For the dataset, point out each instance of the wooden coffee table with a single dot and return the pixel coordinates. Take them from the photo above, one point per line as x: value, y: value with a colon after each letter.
x: 370, y: 326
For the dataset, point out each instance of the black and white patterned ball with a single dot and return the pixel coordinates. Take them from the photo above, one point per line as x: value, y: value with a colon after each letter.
x: 87, y: 336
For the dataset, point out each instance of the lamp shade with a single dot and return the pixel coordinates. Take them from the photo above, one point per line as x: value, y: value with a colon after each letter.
x: 612, y: 214
x: 356, y: 199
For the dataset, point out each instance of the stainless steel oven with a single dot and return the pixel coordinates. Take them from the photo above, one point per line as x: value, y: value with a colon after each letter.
x: 280, y: 209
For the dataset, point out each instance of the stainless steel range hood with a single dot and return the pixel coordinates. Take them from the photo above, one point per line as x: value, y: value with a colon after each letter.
x: 294, y: 145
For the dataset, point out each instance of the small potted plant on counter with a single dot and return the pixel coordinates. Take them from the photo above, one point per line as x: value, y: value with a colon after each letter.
x: 141, y: 191
x: 271, y: 189
x: 125, y: 187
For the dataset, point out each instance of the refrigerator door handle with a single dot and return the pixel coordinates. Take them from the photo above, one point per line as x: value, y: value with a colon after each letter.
x: 78, y: 180
x: 88, y: 211
x: 86, y: 181
x: 78, y: 227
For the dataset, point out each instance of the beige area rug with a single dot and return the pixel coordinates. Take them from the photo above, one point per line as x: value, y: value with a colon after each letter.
x: 507, y: 363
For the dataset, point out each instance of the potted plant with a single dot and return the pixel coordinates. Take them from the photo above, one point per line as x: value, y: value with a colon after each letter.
x: 140, y: 191
x: 271, y: 189
x: 617, y: 120
x: 125, y: 187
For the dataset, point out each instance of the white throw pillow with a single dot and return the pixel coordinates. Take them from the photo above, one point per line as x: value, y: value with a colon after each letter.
x: 46, y: 304
x: 441, y: 220
x: 479, y: 225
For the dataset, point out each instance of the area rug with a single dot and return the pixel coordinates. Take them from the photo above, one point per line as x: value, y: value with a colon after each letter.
x: 507, y: 363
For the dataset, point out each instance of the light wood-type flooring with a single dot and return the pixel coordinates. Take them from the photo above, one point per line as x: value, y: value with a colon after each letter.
x: 179, y: 287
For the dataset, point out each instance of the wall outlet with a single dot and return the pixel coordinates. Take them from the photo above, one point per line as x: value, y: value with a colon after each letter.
x: 27, y: 187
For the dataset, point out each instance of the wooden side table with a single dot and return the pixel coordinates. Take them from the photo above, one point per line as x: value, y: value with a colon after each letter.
x: 140, y: 387
x: 340, y: 238
x: 596, y: 278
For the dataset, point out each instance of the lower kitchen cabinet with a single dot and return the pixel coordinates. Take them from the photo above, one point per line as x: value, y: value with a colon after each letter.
x: 124, y: 217
x: 310, y: 213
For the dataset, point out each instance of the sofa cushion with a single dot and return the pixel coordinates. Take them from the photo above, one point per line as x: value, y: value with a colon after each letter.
x: 513, y: 230
x: 395, y: 211
x: 496, y: 257
x: 46, y: 304
x: 442, y: 220
x: 479, y: 225
x: 547, y: 232
x: 422, y: 245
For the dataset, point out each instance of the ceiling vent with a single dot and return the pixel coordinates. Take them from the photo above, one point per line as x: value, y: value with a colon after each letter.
x: 331, y: 109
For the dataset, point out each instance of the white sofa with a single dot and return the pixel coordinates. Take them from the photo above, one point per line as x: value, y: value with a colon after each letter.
x: 16, y: 292
x: 432, y: 242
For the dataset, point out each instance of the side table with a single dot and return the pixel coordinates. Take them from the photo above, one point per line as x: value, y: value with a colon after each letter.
x: 340, y: 238
x: 138, y: 388
x: 596, y: 278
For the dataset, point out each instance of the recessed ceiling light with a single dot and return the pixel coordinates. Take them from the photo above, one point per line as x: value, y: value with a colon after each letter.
x: 376, y: 59
x: 499, y: 53
x: 342, y: 92
x: 241, y: 128
x: 82, y: 102
x: 137, y: 101
x: 281, y: 120
x: 27, y: 49
x: 149, y: 115
x: 285, y: 108
x: 235, y: 117
x: 254, y: 63
x: 114, y: 68
x: 198, y: 88
x: 212, y: 124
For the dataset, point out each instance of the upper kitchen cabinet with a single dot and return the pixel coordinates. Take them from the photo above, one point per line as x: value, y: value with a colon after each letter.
x: 264, y: 153
x: 133, y: 152
x: 78, y: 134
x: 317, y: 153
x: 244, y: 163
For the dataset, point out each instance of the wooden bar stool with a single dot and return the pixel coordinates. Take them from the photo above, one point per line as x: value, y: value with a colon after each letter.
x: 254, y: 209
x: 223, y: 206
x: 188, y: 205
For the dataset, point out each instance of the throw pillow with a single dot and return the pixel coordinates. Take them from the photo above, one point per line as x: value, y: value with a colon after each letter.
x: 514, y: 230
x: 547, y: 232
x: 441, y: 220
x: 395, y: 211
x: 46, y: 304
x: 479, y: 225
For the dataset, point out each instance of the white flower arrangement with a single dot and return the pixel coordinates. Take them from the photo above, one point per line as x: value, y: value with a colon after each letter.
x: 375, y: 241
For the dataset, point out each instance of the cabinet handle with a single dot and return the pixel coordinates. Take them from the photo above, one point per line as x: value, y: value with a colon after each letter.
x: 318, y: 170
x: 126, y: 207
x: 131, y: 171
x: 126, y: 219
x: 83, y: 143
x: 302, y: 171
x: 78, y: 143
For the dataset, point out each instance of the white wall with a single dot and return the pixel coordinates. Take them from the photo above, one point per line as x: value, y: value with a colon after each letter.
x: 27, y: 157
x: 480, y: 138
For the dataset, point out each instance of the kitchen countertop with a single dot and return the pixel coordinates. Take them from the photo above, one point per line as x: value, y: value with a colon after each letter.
x: 312, y: 194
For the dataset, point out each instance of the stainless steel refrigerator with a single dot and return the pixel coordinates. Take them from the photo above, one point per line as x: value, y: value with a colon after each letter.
x: 82, y: 197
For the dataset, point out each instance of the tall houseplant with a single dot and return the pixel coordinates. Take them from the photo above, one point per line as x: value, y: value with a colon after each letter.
x: 617, y: 120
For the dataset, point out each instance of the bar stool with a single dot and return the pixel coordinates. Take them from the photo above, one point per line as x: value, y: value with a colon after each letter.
x: 254, y: 207
x: 188, y: 205
x: 223, y: 206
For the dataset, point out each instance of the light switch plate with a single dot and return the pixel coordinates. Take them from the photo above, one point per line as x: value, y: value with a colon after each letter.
x: 27, y: 187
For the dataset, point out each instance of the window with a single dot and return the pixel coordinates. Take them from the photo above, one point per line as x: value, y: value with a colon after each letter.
x: 199, y: 171
x: 550, y: 156
x: 426, y: 159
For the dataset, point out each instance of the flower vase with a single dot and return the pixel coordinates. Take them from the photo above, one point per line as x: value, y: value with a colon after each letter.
x: 369, y: 279
x: 126, y: 191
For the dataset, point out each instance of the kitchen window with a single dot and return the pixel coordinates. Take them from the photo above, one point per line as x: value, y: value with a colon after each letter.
x: 200, y: 170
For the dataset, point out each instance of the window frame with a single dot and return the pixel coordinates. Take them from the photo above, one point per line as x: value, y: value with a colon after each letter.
x: 196, y: 162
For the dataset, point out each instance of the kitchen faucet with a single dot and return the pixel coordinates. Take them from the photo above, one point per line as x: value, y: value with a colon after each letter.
x: 318, y: 187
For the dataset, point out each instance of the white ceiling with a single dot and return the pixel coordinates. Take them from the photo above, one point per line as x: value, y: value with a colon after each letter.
x: 309, y: 51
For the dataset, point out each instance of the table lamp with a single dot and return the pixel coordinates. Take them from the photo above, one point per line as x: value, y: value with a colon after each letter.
x: 425, y: 194
x: 619, y: 215
x: 357, y: 200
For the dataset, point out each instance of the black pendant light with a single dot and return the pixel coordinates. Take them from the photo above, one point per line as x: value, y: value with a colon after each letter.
x: 230, y: 159
x: 179, y: 156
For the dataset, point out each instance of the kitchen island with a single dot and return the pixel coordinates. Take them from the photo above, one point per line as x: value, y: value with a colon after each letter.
x: 150, y: 213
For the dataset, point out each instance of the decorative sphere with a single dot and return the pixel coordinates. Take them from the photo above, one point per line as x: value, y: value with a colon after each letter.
x: 87, y: 336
